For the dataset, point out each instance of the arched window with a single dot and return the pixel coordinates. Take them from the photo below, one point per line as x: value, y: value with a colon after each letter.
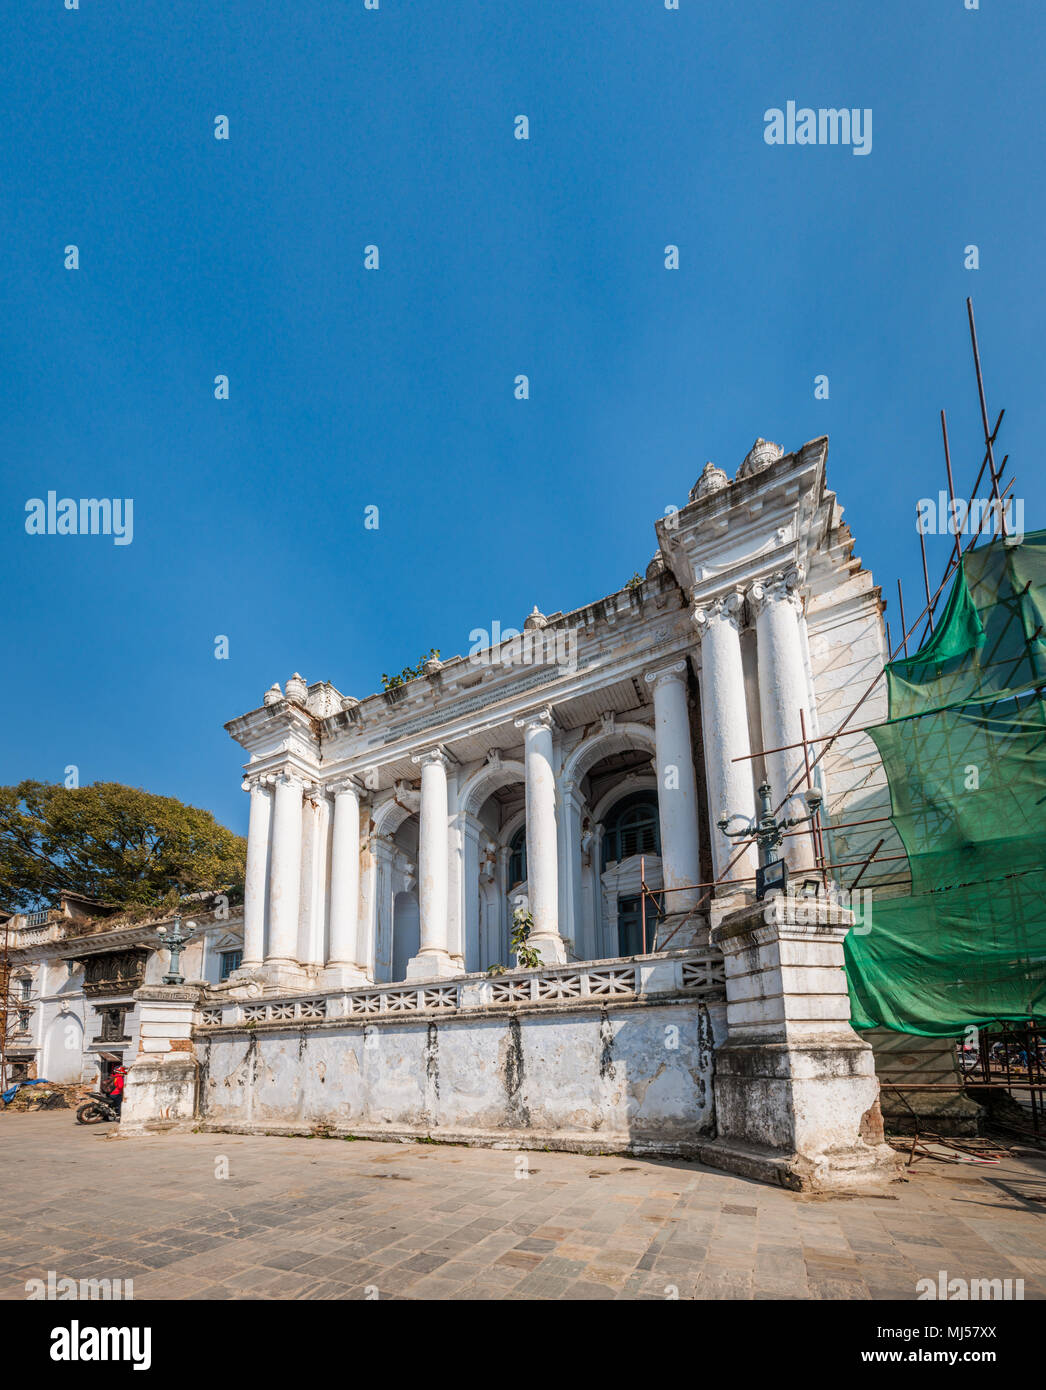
x: 632, y: 827
x: 517, y: 858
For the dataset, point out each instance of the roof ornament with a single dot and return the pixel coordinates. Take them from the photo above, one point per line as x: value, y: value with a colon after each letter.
x: 296, y: 690
x: 274, y: 694
x: 761, y: 455
x: 535, y: 620
x: 712, y: 479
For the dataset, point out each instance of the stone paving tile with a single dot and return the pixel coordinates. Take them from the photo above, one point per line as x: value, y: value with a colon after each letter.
x: 302, y: 1220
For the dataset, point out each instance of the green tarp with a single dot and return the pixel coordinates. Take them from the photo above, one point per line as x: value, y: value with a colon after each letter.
x: 964, y: 750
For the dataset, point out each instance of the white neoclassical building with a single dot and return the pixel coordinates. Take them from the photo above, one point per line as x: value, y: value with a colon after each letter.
x: 390, y: 837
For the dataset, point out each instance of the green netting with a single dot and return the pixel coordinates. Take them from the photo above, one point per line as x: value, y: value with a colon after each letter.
x: 964, y: 750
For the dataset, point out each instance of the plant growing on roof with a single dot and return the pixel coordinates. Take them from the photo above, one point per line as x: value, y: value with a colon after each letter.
x: 409, y: 673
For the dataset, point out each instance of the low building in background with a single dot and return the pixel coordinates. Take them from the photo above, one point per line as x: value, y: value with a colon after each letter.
x: 72, y: 972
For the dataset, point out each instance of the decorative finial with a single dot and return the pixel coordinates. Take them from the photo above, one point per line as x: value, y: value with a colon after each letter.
x: 761, y: 455
x: 712, y: 479
x: 296, y: 690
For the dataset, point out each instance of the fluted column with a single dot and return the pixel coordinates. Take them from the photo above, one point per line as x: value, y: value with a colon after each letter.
x: 783, y: 692
x: 285, y: 873
x: 724, y: 723
x: 570, y: 844
x: 256, y: 879
x: 433, y: 958
x: 676, y: 788
x: 343, y: 960
x: 542, y: 846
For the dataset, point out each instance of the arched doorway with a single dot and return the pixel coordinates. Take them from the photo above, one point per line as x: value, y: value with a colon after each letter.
x: 63, y: 1048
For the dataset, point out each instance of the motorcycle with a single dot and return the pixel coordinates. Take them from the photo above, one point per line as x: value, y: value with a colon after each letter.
x: 97, y: 1110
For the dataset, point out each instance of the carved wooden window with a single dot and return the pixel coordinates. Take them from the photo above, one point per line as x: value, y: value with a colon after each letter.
x: 113, y: 1024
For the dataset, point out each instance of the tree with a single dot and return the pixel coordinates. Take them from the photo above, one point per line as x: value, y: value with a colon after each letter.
x: 116, y: 844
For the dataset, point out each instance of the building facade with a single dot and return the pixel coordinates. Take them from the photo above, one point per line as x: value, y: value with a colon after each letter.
x: 570, y: 764
x: 73, y: 972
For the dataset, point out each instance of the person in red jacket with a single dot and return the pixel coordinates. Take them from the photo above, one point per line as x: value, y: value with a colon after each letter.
x: 116, y: 1090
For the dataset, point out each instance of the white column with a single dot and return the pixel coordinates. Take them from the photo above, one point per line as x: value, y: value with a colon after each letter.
x: 343, y: 961
x: 314, y: 827
x: 542, y: 847
x: 573, y: 933
x: 783, y: 692
x: 366, y: 948
x: 676, y: 788
x: 724, y: 723
x: 256, y: 879
x: 433, y: 958
x: 456, y: 875
x: 596, y: 875
x: 470, y: 832
x: 285, y: 874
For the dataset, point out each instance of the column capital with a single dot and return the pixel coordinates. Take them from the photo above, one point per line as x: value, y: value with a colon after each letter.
x: 435, y: 756
x: 674, y: 671
x: 342, y: 786
x: 286, y: 777
x: 539, y: 718
x: 728, y: 607
x: 780, y: 587
x: 254, y: 782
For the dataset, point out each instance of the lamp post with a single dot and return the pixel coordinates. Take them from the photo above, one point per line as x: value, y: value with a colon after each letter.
x: 175, y: 940
x: 767, y: 831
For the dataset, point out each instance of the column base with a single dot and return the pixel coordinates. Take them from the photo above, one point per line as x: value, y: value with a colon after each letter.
x: 339, y: 975
x: 551, y: 947
x: 433, y: 965
x: 727, y: 901
x: 687, y: 930
x: 284, y: 977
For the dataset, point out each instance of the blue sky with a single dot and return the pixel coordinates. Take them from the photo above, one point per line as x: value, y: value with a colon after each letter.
x: 394, y: 388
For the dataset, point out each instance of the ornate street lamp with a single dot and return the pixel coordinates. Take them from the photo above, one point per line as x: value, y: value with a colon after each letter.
x: 772, y: 873
x: 175, y: 940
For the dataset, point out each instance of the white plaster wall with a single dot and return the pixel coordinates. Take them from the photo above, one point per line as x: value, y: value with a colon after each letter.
x: 636, y: 1075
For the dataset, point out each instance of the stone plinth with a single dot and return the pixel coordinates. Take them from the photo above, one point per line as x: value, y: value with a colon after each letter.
x: 162, y: 1082
x: 797, y: 1099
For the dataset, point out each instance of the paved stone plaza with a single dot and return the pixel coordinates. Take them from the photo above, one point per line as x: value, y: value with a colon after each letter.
x: 321, y: 1219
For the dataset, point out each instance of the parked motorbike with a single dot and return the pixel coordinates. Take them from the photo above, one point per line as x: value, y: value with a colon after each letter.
x: 97, y: 1110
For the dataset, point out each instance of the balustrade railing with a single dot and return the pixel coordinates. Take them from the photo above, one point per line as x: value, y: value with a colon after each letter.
x: 697, y: 974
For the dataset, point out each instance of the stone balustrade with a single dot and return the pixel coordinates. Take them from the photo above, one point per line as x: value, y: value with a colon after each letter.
x: 684, y: 974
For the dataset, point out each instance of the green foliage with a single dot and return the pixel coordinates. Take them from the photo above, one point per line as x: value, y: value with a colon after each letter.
x: 635, y: 582
x: 409, y: 673
x: 496, y: 969
x: 112, y: 843
x: 527, y: 957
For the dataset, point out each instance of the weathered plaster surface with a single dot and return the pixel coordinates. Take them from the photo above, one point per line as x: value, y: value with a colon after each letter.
x: 618, y: 1076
